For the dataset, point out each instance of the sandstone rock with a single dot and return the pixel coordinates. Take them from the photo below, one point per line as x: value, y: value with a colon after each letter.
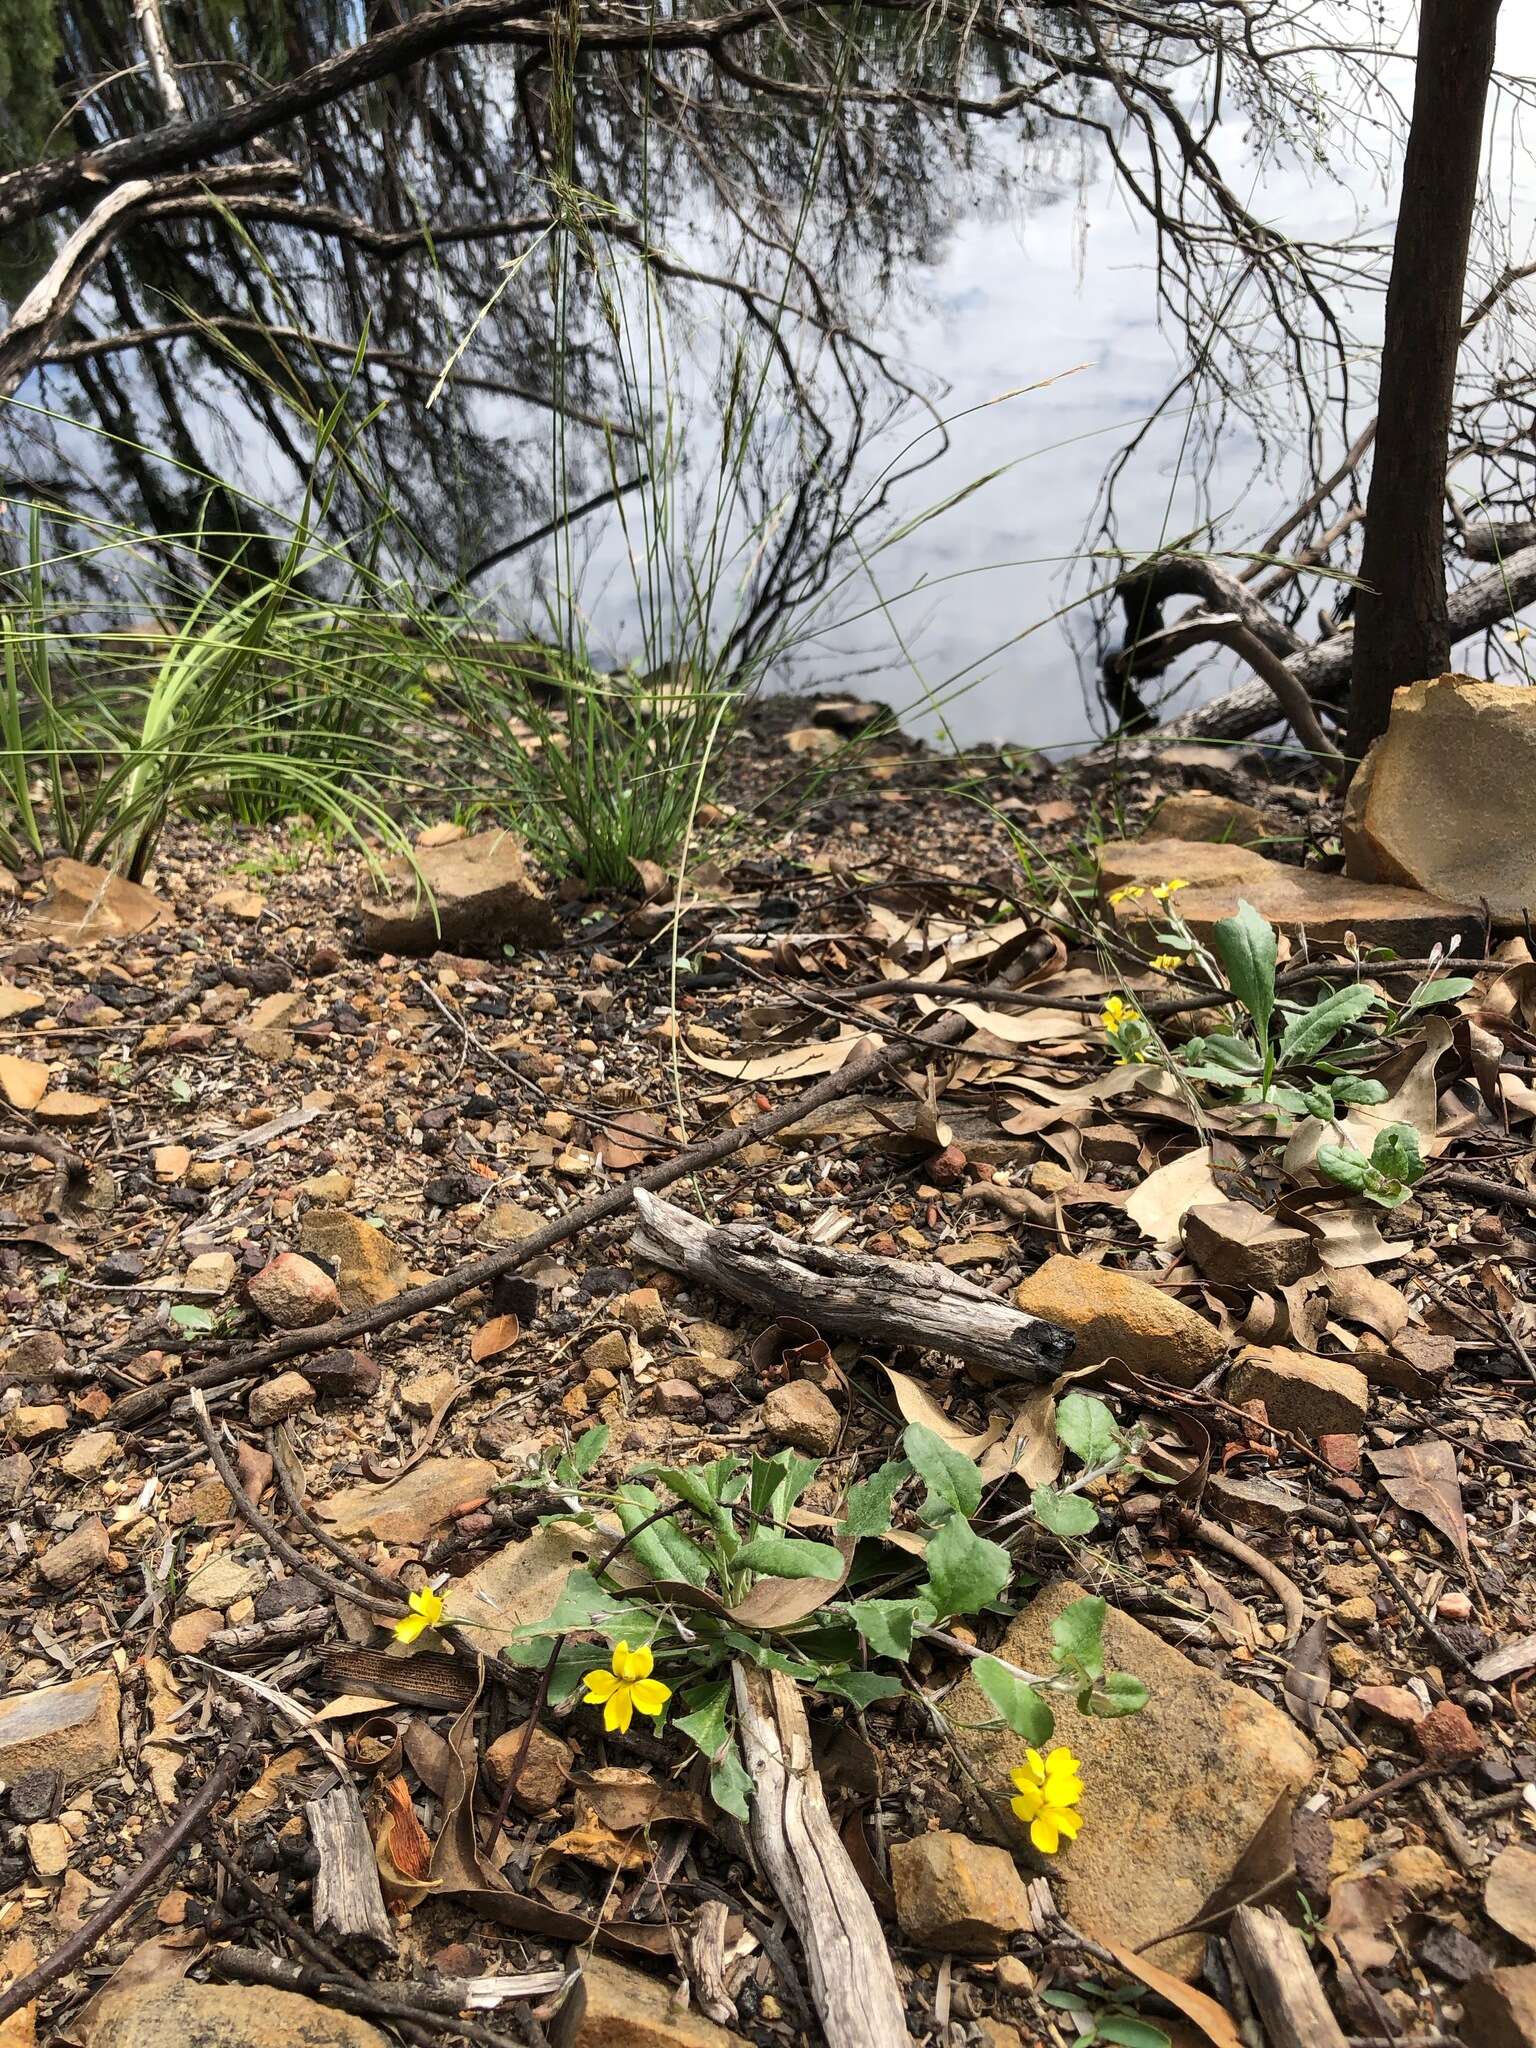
x: 1499, y: 2009
x: 18, y: 1002
x: 1256, y: 1503
x: 48, y: 1846
x: 191, y: 1633
x: 545, y: 1769
x: 608, y: 1353
x: 29, y: 1423
x: 1393, y: 1703
x: 71, y: 1561
x: 1311, y: 1396
x: 1116, y: 1315
x: 1447, y: 1736
x: 223, y: 1580
x: 613, y: 2006
x: 1420, y: 1869
x: 88, y: 903
x: 520, y: 1583
x: 408, y: 1509
x: 1196, y: 814
x: 424, y: 1393
x: 245, y: 905
x: 15, y: 1478
x: 65, y: 1106
x: 182, y: 2015
x: 288, y: 1393
x: 679, y: 1399
x: 23, y: 1083
x: 1236, y: 1245
x: 365, y: 1261
x: 1327, y: 906
x: 170, y: 1162
x: 71, y: 1729
x: 91, y: 1452
x: 477, y: 895
x: 801, y: 1415
x: 352, y: 1374
x: 643, y: 1310
x: 211, y: 1273
x: 958, y: 1895
x: 1446, y: 799
x: 37, y: 1356
x: 294, y: 1293
x: 1179, y: 1790
x: 1509, y: 1896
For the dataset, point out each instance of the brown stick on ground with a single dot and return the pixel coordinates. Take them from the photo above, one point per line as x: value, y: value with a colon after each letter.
x: 853, y: 1981
x: 177, y: 1835
x: 858, y: 1069
x: 886, y: 1301
x: 1279, y: 1973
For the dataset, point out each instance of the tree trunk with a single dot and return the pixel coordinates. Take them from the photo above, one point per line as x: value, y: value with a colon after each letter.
x: 1401, y: 628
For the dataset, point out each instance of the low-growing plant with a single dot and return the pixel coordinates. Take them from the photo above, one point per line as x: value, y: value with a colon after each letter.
x: 1387, y: 1176
x: 1301, y: 1059
x: 713, y: 1566
x: 1103, y: 2013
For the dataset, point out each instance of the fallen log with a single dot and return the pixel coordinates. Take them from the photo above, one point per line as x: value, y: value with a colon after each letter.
x: 885, y: 1301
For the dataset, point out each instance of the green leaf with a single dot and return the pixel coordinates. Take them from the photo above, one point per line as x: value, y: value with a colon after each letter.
x: 1351, y: 1088
x: 1086, y: 1426
x: 1127, y: 2032
x: 662, y: 1548
x: 705, y: 1724
x: 867, y: 1509
x: 886, y: 1625
x: 1305, y: 1036
x: 1064, y: 1514
x: 1396, y: 1155
x: 1245, y: 945
x: 1119, y: 1694
x: 583, y: 1455
x: 1077, y: 1634
x: 863, y: 1688
x: 731, y: 1785
x: 1020, y: 1705
x: 1449, y: 989
x: 949, y: 1475
x: 790, y: 1557
x: 188, y: 1316
x: 1221, y: 1049
x: 778, y: 1482
x: 698, y: 1485
x: 1345, y: 1165
x: 965, y: 1571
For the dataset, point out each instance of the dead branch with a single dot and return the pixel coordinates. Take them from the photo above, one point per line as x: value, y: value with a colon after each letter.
x: 1279, y: 1974
x: 884, y: 1301
x: 852, y: 1979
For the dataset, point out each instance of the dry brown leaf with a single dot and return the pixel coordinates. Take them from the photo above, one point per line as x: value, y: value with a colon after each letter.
x: 624, y: 1799
x: 402, y: 1837
x: 1213, y: 2020
x: 1159, y: 1205
x: 792, y: 1063
x: 1362, y: 1912
x: 1305, y: 1685
x: 1423, y: 1479
x: 494, y: 1337
x: 628, y: 1140
x: 1360, y: 1296
x: 1031, y: 1451
x: 917, y: 1406
x: 1351, y: 1236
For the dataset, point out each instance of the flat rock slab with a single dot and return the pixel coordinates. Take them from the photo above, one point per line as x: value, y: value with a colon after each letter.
x: 72, y: 1729
x: 1172, y: 1796
x: 611, y: 2006
x: 86, y: 902
x: 408, y: 1509
x: 475, y: 893
x: 225, y: 2016
x: 1446, y: 798
x: 1328, y: 906
x: 1116, y: 1315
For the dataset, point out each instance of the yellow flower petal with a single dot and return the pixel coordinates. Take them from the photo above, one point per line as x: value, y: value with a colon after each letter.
x: 601, y: 1685
x: 1063, y: 1792
x: 649, y: 1695
x: 1045, y: 1833
x: 641, y: 1662
x: 1027, y: 1804
x: 409, y: 1627
x: 1062, y: 1761
x: 1068, y: 1824
x: 619, y: 1711
x: 1036, y: 1764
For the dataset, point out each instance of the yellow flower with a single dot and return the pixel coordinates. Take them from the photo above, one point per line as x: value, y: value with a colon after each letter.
x: 1168, y: 962
x: 1129, y: 894
x: 1048, y: 1788
x: 1163, y: 890
x: 426, y: 1612
x: 1117, y: 1013
x: 627, y: 1686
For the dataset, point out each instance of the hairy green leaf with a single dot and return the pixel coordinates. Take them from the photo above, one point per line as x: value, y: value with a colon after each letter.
x: 790, y: 1557
x: 1087, y: 1427
x: 1077, y: 1635
x: 965, y: 1571
x: 1064, y: 1514
x: 1245, y: 945
x: 1020, y: 1705
x: 867, y: 1509
x: 948, y: 1474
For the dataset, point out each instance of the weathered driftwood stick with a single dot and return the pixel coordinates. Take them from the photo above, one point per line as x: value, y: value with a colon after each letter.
x: 853, y: 1982
x: 885, y: 1301
x: 348, y: 1898
x: 1280, y: 1978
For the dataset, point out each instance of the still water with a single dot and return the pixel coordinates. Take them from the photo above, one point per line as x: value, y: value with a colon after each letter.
x: 1001, y: 282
